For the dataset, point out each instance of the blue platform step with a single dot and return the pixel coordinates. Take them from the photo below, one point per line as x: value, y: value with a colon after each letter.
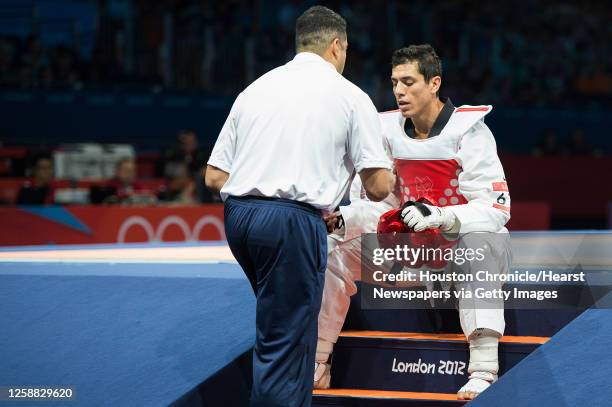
x: 414, y: 362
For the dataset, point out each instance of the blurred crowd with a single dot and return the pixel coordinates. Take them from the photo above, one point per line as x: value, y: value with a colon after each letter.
x: 177, y: 173
x: 179, y: 168
x: 543, y: 53
x: 576, y: 144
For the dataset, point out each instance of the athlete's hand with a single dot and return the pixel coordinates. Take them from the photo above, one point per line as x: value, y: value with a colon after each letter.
x: 420, y: 216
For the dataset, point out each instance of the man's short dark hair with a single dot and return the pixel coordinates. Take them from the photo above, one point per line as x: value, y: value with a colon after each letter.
x: 428, y: 61
x: 316, y: 28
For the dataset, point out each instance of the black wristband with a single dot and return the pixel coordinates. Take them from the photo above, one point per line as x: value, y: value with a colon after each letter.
x: 339, y: 222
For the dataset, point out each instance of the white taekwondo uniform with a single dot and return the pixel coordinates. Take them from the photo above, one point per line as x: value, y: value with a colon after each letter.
x: 457, y: 167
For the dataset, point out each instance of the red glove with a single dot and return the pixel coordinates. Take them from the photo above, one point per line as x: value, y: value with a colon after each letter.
x: 392, y: 232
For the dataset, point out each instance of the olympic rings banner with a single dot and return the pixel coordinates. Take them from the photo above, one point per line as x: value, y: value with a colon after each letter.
x: 35, y: 225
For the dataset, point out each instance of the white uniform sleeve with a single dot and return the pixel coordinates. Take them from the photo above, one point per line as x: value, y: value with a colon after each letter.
x: 482, y: 183
x: 357, y: 192
x: 222, y: 155
x: 362, y: 216
x: 365, y: 142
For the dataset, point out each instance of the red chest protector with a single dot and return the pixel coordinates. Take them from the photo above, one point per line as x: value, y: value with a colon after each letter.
x: 434, y: 180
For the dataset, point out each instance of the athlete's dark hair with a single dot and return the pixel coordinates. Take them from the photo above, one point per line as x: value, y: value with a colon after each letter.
x: 428, y: 61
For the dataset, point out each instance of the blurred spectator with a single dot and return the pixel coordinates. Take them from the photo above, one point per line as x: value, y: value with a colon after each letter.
x: 65, y: 71
x: 578, y: 144
x: 122, y: 188
x: 594, y: 81
x: 186, y: 150
x: 33, y: 62
x: 39, y: 190
x: 204, y: 194
x: 180, y: 187
x: 8, y: 74
x: 549, y: 145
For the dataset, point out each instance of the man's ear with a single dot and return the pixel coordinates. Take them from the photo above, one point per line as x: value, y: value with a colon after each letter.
x: 435, y: 84
x: 336, y: 46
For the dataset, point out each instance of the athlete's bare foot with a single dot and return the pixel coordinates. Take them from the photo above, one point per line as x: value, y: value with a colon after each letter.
x: 322, y: 376
x: 479, y: 382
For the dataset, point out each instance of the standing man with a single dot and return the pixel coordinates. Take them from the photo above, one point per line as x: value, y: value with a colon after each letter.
x: 447, y: 155
x: 286, y: 155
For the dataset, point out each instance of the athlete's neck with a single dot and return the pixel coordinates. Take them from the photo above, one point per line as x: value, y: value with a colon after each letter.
x: 426, y: 119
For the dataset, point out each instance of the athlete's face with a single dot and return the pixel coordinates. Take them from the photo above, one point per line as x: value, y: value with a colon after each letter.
x: 411, y: 92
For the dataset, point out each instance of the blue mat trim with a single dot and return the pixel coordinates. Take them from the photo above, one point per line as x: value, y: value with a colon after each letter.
x: 159, y: 270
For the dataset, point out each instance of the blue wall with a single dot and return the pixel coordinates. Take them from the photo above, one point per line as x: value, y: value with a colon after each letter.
x: 151, y: 120
x: 147, y: 120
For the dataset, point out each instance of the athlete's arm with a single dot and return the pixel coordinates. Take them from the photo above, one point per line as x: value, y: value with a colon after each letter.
x: 377, y: 182
x: 482, y: 183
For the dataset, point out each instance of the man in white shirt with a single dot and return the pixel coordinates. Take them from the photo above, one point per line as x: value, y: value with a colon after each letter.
x: 285, y: 156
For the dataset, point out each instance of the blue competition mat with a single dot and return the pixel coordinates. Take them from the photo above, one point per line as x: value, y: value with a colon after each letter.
x: 121, y: 334
x: 144, y: 325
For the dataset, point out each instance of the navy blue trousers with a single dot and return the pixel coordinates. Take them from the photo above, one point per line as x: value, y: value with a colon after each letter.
x: 282, y: 247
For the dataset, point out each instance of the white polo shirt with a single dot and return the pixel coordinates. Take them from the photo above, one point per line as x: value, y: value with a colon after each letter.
x: 299, y: 132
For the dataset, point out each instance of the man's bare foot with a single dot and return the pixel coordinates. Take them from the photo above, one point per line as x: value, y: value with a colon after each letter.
x: 322, y: 376
x: 479, y: 382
